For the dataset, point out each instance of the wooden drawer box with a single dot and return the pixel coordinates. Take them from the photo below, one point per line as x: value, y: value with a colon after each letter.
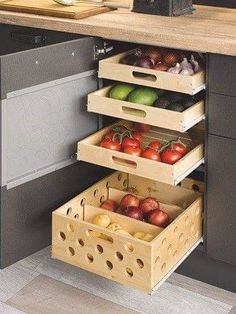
x: 99, y: 102
x: 123, y: 258
x: 90, y: 151
x: 110, y: 68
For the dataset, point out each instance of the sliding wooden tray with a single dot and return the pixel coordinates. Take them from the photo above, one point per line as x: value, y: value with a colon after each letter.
x: 99, y: 102
x: 110, y: 68
x: 90, y: 151
x: 123, y: 258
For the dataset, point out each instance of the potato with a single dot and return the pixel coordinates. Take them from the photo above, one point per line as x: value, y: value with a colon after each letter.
x: 139, y: 235
x: 148, y: 237
x: 102, y: 220
x: 122, y: 231
x: 114, y: 227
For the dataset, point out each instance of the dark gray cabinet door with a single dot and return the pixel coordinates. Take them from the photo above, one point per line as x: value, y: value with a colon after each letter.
x: 222, y: 115
x: 221, y: 199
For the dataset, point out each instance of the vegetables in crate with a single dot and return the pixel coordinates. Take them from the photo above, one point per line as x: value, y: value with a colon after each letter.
x: 161, y: 59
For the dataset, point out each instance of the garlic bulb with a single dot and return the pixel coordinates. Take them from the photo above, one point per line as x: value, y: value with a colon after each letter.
x: 176, y: 69
x: 187, y: 71
x: 195, y: 64
x: 185, y: 64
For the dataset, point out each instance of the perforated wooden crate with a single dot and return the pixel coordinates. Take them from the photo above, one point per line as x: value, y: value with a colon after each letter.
x: 112, y: 69
x: 99, y: 102
x: 120, y: 257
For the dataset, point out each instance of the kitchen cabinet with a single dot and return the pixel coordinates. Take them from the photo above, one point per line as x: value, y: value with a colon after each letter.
x: 48, y: 183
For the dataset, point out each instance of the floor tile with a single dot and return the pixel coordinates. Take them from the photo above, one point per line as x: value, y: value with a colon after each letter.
x: 46, y: 295
x: 7, y: 309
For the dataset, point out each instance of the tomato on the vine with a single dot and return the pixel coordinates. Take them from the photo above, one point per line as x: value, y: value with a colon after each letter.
x: 150, y: 153
x: 130, y: 142
x: 137, y: 135
x: 179, y: 147
x: 170, y: 156
x: 135, y: 151
x: 110, y: 144
x: 154, y: 145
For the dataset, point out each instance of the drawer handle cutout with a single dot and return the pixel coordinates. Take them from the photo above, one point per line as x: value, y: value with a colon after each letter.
x: 134, y: 112
x: 124, y: 162
x: 142, y: 76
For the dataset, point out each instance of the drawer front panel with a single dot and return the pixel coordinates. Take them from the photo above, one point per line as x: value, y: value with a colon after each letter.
x: 221, y: 199
x: 120, y: 256
x: 42, y: 126
x: 222, y: 115
x: 222, y: 74
x: 45, y: 64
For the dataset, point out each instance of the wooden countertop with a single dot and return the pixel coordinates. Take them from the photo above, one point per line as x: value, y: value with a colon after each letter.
x: 208, y: 29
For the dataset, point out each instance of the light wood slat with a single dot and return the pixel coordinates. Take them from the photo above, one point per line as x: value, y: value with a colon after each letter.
x: 208, y: 29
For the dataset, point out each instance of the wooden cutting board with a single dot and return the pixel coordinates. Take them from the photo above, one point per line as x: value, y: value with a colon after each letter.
x: 51, y: 8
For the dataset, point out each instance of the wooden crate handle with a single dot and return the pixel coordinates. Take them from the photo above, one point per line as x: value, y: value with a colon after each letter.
x: 124, y: 162
x: 143, y: 76
x: 134, y: 112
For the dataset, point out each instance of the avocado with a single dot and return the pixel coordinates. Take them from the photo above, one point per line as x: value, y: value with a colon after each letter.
x: 143, y: 96
x: 121, y: 91
x: 176, y: 107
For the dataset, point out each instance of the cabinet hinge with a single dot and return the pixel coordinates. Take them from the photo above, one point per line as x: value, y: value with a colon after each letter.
x: 102, y: 49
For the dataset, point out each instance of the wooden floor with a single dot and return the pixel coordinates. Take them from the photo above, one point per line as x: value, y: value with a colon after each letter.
x: 41, y: 285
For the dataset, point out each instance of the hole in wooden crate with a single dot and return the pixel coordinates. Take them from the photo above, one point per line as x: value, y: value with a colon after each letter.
x: 109, y: 265
x: 108, y: 184
x: 82, y: 202
x: 119, y: 256
x: 102, y: 199
x: 181, y: 236
x: 175, y: 253
x: 129, y: 272
x: 125, y: 183
x: 157, y: 259
x: 76, y: 216
x: 80, y: 242
x: 70, y: 227
x: 163, y: 267
x: 196, y: 188
x: 69, y: 211
x: 99, y: 249
x: 70, y: 251
x: 169, y: 250
x: 119, y: 176
x: 62, y: 236
x: 176, y: 229
x: 140, y: 263
x: 187, y: 220
x: 129, y: 247
x: 95, y: 193
x: 164, y: 241
x: 90, y: 257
